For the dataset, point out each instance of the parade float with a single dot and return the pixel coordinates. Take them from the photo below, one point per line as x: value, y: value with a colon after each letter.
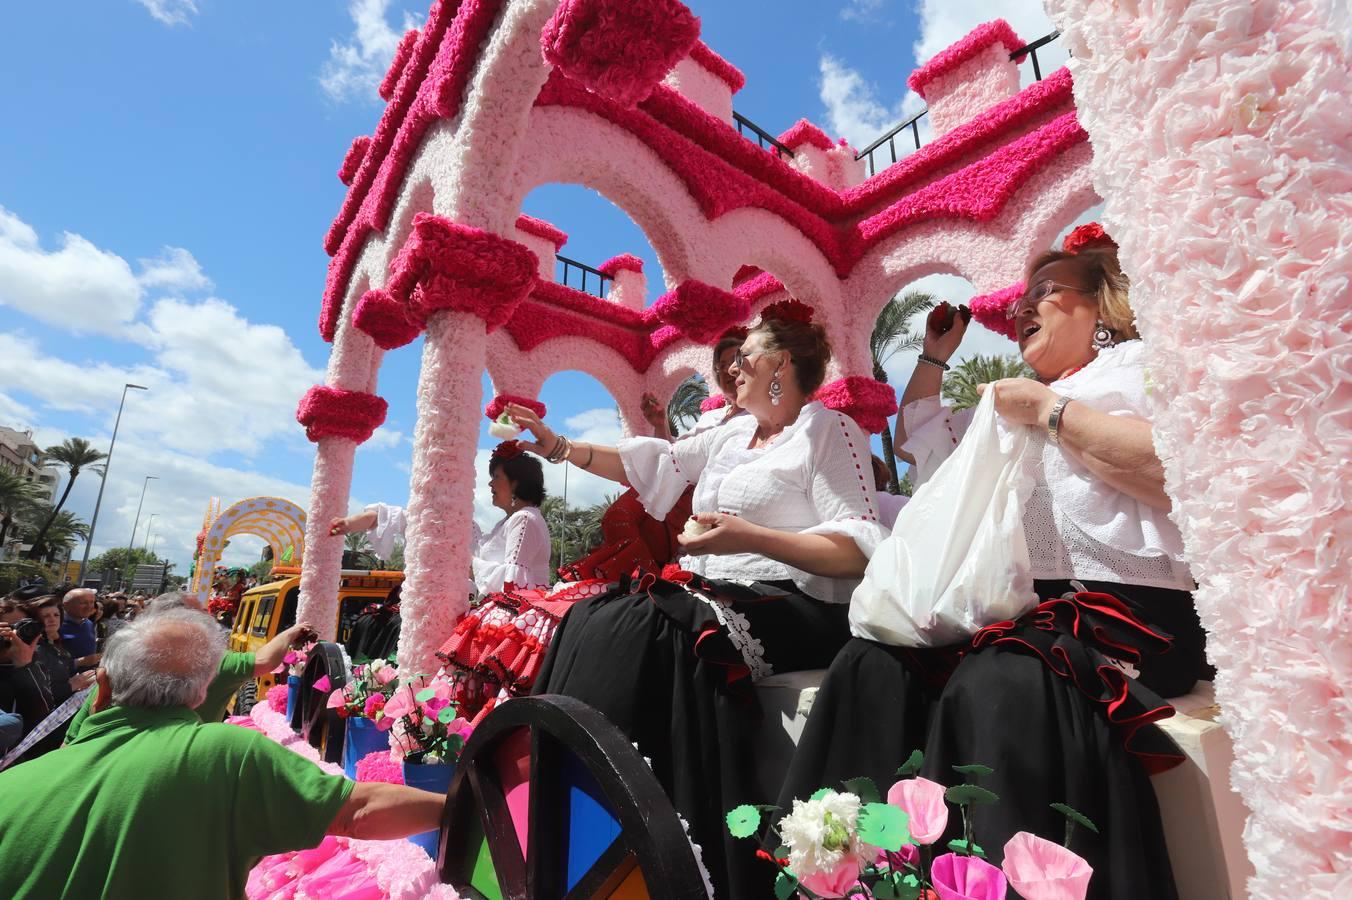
x: 1208, y: 130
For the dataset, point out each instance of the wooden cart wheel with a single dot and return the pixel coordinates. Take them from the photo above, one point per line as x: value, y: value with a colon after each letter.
x: 321, y: 727
x: 551, y: 800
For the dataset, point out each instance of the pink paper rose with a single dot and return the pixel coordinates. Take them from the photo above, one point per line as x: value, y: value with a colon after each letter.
x: 387, y: 673
x: 1042, y: 870
x: 400, y: 705
x: 838, y: 881
x: 322, y: 684
x: 966, y: 878
x: 923, y: 802
x: 374, y: 704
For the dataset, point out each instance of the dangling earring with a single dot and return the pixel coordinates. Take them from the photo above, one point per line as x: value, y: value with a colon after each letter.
x: 1103, y: 337
x: 776, y: 389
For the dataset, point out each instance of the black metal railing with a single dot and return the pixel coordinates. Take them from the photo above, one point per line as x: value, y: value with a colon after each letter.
x: 913, y: 123
x: 602, y: 279
x: 762, y: 138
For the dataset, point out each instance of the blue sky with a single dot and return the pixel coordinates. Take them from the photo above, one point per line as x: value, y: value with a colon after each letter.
x: 168, y: 176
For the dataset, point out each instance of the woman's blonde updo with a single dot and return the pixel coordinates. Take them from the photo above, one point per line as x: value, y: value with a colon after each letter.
x: 1103, y: 275
x: 790, y: 330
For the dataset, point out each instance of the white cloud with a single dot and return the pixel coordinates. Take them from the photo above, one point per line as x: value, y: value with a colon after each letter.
x: 943, y: 22
x: 171, y: 12
x: 77, y: 287
x: 383, y: 439
x: 861, y: 10
x: 355, y: 68
x: 853, y: 110
x: 174, y: 268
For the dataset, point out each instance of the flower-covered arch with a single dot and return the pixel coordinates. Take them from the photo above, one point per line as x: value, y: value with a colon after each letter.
x: 279, y: 522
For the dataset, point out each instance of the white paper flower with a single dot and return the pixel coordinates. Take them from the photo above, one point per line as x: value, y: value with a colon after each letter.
x: 819, y: 833
x: 694, y: 527
x: 503, y: 428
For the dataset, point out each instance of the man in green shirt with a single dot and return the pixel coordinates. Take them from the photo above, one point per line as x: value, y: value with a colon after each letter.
x: 236, y: 668
x: 148, y: 801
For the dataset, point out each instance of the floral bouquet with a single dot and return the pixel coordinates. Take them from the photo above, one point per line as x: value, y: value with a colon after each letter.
x: 855, y: 843
x: 367, y: 691
x: 427, y: 726
x: 296, y: 658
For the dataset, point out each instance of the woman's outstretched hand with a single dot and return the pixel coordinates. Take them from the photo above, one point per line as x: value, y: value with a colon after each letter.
x: 727, y: 534
x: 1021, y: 401
x: 545, y: 438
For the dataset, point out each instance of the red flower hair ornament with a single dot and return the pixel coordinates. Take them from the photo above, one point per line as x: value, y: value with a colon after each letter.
x: 1090, y: 234
x: 788, y: 311
x: 505, y: 451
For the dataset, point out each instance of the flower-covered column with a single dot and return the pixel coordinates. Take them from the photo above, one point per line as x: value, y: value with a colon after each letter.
x: 1220, y: 131
x: 462, y: 282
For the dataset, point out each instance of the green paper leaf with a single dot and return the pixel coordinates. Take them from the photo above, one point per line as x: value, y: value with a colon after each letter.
x: 424, y: 695
x: 743, y: 821
x: 455, y: 743
x: 975, y: 769
x: 1075, y: 816
x: 863, y: 788
x: 912, y: 765
x: 958, y: 845
x: 820, y: 793
x: 447, y: 715
x: 964, y: 794
x: 884, y: 825
x: 785, y: 886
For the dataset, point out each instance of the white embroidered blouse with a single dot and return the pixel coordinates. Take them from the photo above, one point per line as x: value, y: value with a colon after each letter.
x: 814, y: 477
x: 1077, y: 525
x: 516, y: 550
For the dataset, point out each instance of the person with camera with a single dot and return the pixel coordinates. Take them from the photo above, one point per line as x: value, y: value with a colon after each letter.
x: 51, y: 652
x: 25, y: 689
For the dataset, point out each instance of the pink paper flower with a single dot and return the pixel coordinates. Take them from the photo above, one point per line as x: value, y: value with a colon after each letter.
x: 336, y: 700
x: 400, y: 705
x: 1041, y: 870
x: 838, y: 881
x: 291, y: 658
x: 923, y: 802
x: 908, y: 855
x: 966, y: 878
x: 387, y: 673
x: 374, y: 704
x: 322, y: 684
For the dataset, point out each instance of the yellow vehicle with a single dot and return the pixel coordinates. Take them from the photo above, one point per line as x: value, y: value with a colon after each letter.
x: 270, y: 608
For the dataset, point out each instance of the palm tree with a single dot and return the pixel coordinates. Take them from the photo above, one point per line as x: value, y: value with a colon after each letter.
x: 683, y: 410
x: 62, y: 532
x: 76, y: 454
x: 357, y: 542
x: 892, y: 335
x: 960, y: 384
x: 18, y: 498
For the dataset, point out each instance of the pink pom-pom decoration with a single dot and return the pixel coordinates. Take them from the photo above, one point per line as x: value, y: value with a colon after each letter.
x: 977, y: 40
x: 870, y: 403
x: 385, y: 319
x: 717, y: 401
x: 499, y: 403
x: 542, y: 229
x: 726, y: 72
x: 333, y: 412
x: 625, y: 261
x: 377, y: 766
x: 353, y: 159
x: 402, y: 54
x: 1091, y: 234
x: 619, y: 49
x: 277, y: 697
x: 989, y: 309
x: 701, y: 311
x: 445, y: 265
x: 804, y: 132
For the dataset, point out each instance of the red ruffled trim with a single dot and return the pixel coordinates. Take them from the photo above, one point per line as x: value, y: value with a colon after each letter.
x: 1074, y: 637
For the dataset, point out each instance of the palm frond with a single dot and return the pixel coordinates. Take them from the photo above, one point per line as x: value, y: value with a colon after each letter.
x: 683, y: 409
x: 960, y: 384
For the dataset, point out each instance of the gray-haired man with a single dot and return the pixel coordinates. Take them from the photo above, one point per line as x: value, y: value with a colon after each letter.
x: 150, y: 801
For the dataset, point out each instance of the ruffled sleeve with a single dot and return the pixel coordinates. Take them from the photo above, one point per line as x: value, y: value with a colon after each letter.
x: 841, y: 485
x: 391, y: 523
x: 932, y: 434
x: 660, y: 471
x: 525, y: 545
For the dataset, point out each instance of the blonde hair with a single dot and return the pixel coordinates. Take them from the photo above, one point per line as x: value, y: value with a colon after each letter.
x: 1110, y: 286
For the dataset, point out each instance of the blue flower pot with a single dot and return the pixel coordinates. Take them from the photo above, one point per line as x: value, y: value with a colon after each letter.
x: 435, y: 777
x: 292, y: 688
x: 362, y: 737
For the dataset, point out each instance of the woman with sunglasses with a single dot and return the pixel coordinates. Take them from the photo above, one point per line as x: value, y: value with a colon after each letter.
x: 785, y: 520
x: 1042, y: 700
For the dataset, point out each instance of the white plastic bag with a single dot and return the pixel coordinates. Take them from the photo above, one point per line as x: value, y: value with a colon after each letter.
x: 957, y: 559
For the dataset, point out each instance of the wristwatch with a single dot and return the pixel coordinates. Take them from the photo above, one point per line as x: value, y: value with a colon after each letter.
x: 1054, y: 420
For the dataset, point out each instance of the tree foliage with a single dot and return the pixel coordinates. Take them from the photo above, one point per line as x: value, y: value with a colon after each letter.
x: 20, y: 500
x: 891, y: 335
x: 960, y: 384
x: 75, y: 455
x: 683, y: 409
x: 123, y: 562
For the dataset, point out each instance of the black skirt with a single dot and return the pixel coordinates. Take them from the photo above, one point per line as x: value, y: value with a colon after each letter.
x: 1040, y: 702
x: 656, y: 660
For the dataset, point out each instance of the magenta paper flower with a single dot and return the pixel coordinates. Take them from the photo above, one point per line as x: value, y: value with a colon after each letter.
x: 923, y: 802
x: 838, y: 881
x: 1042, y: 870
x: 966, y: 878
x: 291, y: 658
x: 897, y: 861
x: 374, y: 704
x: 322, y: 684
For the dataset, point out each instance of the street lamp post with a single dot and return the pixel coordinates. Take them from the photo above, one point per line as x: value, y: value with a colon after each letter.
x: 150, y: 523
x: 103, y: 482
x: 137, y: 522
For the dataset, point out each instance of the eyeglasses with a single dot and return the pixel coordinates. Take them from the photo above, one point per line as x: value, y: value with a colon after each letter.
x: 739, y: 358
x: 1036, y: 294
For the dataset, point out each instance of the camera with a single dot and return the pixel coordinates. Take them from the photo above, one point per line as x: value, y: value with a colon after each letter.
x: 26, y: 630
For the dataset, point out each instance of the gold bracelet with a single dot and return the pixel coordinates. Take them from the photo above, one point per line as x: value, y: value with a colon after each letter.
x: 591, y: 454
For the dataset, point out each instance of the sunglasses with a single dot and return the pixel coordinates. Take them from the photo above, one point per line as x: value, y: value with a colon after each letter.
x: 1036, y: 294
x: 739, y: 358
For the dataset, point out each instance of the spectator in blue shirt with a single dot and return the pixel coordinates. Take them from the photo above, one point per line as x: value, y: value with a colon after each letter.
x: 11, y: 731
x: 77, y: 628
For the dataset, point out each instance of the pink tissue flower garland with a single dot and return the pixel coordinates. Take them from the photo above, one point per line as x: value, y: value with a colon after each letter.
x: 498, y: 404
x: 870, y: 403
x: 402, y: 54
x: 620, y: 49
x: 949, y: 60
x: 333, y: 412
x: 352, y: 160
x: 701, y: 311
x: 385, y: 319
